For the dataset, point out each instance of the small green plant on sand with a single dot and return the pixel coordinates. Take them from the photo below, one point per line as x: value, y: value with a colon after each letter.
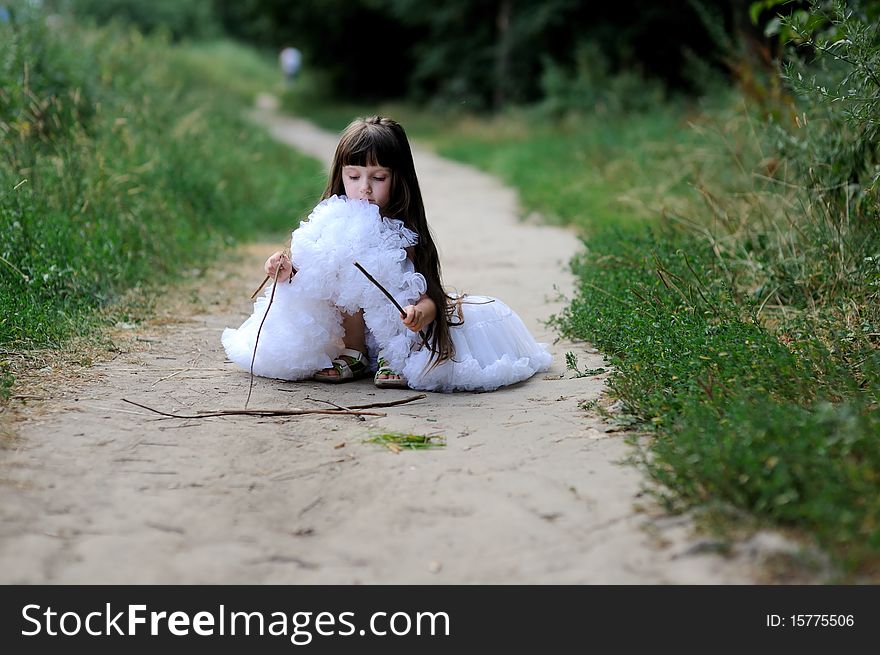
x: 397, y: 441
x: 571, y: 363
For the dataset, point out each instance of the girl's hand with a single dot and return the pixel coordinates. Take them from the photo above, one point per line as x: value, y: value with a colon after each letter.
x: 412, y: 318
x: 279, y: 259
x: 419, y: 316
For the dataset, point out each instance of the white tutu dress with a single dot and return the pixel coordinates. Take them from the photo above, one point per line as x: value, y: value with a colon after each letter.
x: 302, y: 332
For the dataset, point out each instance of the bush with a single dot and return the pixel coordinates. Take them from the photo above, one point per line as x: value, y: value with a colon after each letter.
x: 830, y: 156
x: 590, y: 87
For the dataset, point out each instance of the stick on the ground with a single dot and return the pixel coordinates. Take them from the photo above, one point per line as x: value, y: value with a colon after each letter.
x: 391, y: 403
x: 369, y: 405
x: 257, y: 412
x: 339, y: 407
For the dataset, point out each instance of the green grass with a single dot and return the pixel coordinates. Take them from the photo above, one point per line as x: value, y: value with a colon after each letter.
x: 785, y: 432
x: 126, y: 162
x: 229, y: 68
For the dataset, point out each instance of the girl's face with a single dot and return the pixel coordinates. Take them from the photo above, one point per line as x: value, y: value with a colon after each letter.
x: 371, y: 183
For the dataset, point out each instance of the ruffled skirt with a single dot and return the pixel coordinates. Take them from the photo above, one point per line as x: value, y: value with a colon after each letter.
x: 493, y: 348
x: 302, y: 331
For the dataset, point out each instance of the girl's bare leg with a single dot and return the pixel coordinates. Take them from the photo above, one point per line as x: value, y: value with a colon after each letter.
x: 353, y: 325
x: 354, y: 337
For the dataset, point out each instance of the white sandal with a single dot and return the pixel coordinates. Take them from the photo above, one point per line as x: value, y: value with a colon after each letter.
x: 347, y: 371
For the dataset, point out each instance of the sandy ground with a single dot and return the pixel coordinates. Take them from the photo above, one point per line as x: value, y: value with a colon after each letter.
x: 528, y: 489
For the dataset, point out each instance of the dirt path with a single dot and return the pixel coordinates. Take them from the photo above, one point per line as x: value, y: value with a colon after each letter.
x: 527, y: 490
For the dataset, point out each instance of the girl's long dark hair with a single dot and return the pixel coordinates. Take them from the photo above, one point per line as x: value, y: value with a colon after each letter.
x: 380, y: 141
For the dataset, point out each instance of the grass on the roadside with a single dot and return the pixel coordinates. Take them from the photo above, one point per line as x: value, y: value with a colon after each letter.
x: 126, y: 163
x: 781, y: 430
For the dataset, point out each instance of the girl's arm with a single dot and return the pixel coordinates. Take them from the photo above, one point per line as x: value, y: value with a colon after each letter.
x: 419, y: 316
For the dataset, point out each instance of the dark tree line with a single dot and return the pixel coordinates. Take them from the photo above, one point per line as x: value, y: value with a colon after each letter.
x: 487, y: 53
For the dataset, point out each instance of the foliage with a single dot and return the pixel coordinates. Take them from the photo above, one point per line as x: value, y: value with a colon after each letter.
x: 474, y: 54
x: 120, y: 167
x: 180, y: 18
x: 836, y: 144
x: 806, y: 242
x: 480, y: 54
x: 785, y: 432
x: 592, y: 88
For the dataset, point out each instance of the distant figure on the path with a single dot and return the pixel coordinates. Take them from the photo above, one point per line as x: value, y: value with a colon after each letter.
x: 291, y: 61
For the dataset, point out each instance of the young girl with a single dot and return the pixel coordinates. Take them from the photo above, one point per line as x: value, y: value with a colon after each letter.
x: 328, y: 322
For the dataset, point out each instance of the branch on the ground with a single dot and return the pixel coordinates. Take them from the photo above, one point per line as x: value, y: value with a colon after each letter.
x: 390, y: 403
x: 318, y: 400
x: 257, y: 412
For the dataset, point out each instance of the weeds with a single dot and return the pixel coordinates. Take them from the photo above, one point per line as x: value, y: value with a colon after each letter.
x: 397, y: 441
x: 571, y: 363
x: 783, y: 430
x: 122, y: 160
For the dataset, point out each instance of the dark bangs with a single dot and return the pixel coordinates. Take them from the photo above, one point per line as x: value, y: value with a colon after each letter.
x: 372, y: 146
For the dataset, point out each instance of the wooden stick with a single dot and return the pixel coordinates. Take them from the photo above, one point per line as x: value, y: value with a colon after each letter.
x: 371, y: 405
x: 389, y: 296
x: 260, y: 288
x: 258, y: 412
x: 391, y: 403
x: 381, y: 288
x: 260, y: 329
x: 267, y: 278
x: 346, y: 409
